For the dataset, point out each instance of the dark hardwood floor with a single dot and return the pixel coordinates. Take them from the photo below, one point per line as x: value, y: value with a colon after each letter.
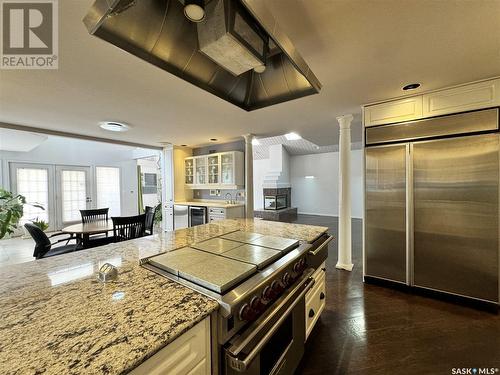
x: 368, y: 329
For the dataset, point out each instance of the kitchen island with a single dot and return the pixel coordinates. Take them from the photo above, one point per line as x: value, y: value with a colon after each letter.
x: 57, y: 318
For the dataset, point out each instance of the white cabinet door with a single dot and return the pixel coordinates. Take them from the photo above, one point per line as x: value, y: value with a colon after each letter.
x: 315, y: 299
x: 200, y: 164
x: 213, y: 162
x: 228, y: 168
x: 187, y: 355
x: 189, y: 171
x: 396, y: 111
x: 459, y: 99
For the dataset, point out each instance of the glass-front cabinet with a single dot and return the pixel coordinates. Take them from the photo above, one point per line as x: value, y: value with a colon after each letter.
x: 189, y: 171
x: 213, y: 169
x: 224, y: 170
x: 200, y: 171
x: 227, y: 166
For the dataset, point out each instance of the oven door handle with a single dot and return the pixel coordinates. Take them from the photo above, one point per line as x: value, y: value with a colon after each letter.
x: 241, y: 365
x: 322, y: 246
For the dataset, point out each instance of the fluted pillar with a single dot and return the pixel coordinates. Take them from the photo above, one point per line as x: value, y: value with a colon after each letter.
x: 344, y: 240
x: 167, y: 189
x: 248, y: 176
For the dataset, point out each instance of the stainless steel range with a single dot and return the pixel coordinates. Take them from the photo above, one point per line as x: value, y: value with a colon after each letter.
x: 260, y: 283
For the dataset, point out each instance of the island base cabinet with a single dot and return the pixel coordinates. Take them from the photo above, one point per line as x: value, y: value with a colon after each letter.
x: 187, y: 355
x: 315, y: 299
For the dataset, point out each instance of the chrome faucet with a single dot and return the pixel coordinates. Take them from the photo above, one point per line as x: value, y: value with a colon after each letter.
x: 230, y: 198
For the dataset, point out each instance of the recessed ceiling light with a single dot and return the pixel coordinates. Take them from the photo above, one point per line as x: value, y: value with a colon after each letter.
x: 292, y: 136
x: 411, y: 86
x: 194, y: 10
x: 183, y: 145
x: 255, y: 142
x: 213, y: 139
x: 309, y: 177
x: 113, y: 126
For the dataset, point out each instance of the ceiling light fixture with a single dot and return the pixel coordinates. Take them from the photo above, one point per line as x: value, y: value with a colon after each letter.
x: 114, y: 126
x: 411, y: 86
x: 310, y: 177
x: 255, y: 142
x: 213, y: 139
x: 260, y: 69
x: 292, y: 136
x: 194, y: 10
x: 183, y: 145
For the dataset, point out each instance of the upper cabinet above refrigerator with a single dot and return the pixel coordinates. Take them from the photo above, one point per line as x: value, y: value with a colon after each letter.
x: 477, y: 95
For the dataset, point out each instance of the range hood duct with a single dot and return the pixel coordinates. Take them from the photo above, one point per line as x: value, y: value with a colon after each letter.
x: 158, y: 32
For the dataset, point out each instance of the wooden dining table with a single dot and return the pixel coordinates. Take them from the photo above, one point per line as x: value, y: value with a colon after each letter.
x: 83, y: 231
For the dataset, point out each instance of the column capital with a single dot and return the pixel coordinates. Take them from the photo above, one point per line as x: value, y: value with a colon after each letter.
x: 345, y: 121
x: 248, y: 137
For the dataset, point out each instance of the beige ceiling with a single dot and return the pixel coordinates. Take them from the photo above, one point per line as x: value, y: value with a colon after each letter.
x: 362, y: 51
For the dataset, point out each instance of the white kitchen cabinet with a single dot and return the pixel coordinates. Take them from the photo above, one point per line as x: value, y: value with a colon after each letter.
x: 224, y: 170
x: 188, y: 355
x: 394, y: 111
x: 315, y: 299
x: 220, y: 213
x: 189, y: 171
x: 464, y: 98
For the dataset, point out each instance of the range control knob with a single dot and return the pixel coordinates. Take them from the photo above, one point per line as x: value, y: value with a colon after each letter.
x: 247, y: 313
x: 268, y: 294
x: 297, y: 267
x: 277, y: 287
x: 256, y: 304
x: 287, y: 279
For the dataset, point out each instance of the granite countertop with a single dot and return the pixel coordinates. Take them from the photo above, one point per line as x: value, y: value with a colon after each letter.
x: 207, y: 203
x: 57, y: 318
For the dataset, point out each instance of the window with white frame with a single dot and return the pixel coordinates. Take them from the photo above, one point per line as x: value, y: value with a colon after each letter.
x: 33, y: 184
x: 108, y: 189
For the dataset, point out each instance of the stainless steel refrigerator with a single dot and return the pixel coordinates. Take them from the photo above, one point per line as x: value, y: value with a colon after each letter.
x: 432, y: 204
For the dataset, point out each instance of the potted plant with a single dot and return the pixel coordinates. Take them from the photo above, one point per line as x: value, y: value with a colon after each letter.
x: 158, y: 218
x: 11, y: 211
x: 40, y: 223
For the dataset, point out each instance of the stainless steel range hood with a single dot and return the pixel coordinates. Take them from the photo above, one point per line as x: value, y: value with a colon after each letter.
x: 157, y: 31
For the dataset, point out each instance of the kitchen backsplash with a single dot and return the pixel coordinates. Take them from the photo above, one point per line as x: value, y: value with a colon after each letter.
x: 238, y: 195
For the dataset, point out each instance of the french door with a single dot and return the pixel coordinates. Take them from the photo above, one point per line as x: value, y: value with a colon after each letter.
x: 62, y: 191
x: 72, y: 193
x: 35, y: 183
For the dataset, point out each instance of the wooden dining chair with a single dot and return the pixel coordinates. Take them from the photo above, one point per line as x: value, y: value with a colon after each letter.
x: 128, y: 227
x: 89, y: 216
x: 150, y: 213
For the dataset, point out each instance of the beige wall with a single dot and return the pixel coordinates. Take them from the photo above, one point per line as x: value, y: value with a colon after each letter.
x: 180, y: 192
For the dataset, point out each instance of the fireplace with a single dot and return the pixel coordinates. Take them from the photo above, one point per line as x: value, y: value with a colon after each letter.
x: 277, y: 199
x: 275, y: 202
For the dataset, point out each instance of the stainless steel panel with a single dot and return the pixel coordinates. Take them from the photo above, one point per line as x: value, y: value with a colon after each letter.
x: 434, y: 127
x: 173, y: 261
x: 158, y: 32
x: 277, y: 243
x: 256, y: 255
x: 241, y: 236
x: 218, y: 274
x: 385, y: 217
x: 216, y: 245
x: 456, y: 220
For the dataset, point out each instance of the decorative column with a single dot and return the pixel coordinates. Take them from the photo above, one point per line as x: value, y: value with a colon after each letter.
x: 248, y: 176
x: 344, y: 241
x: 167, y: 189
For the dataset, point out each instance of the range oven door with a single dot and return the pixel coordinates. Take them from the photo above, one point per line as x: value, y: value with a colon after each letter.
x: 197, y: 216
x: 274, y: 343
